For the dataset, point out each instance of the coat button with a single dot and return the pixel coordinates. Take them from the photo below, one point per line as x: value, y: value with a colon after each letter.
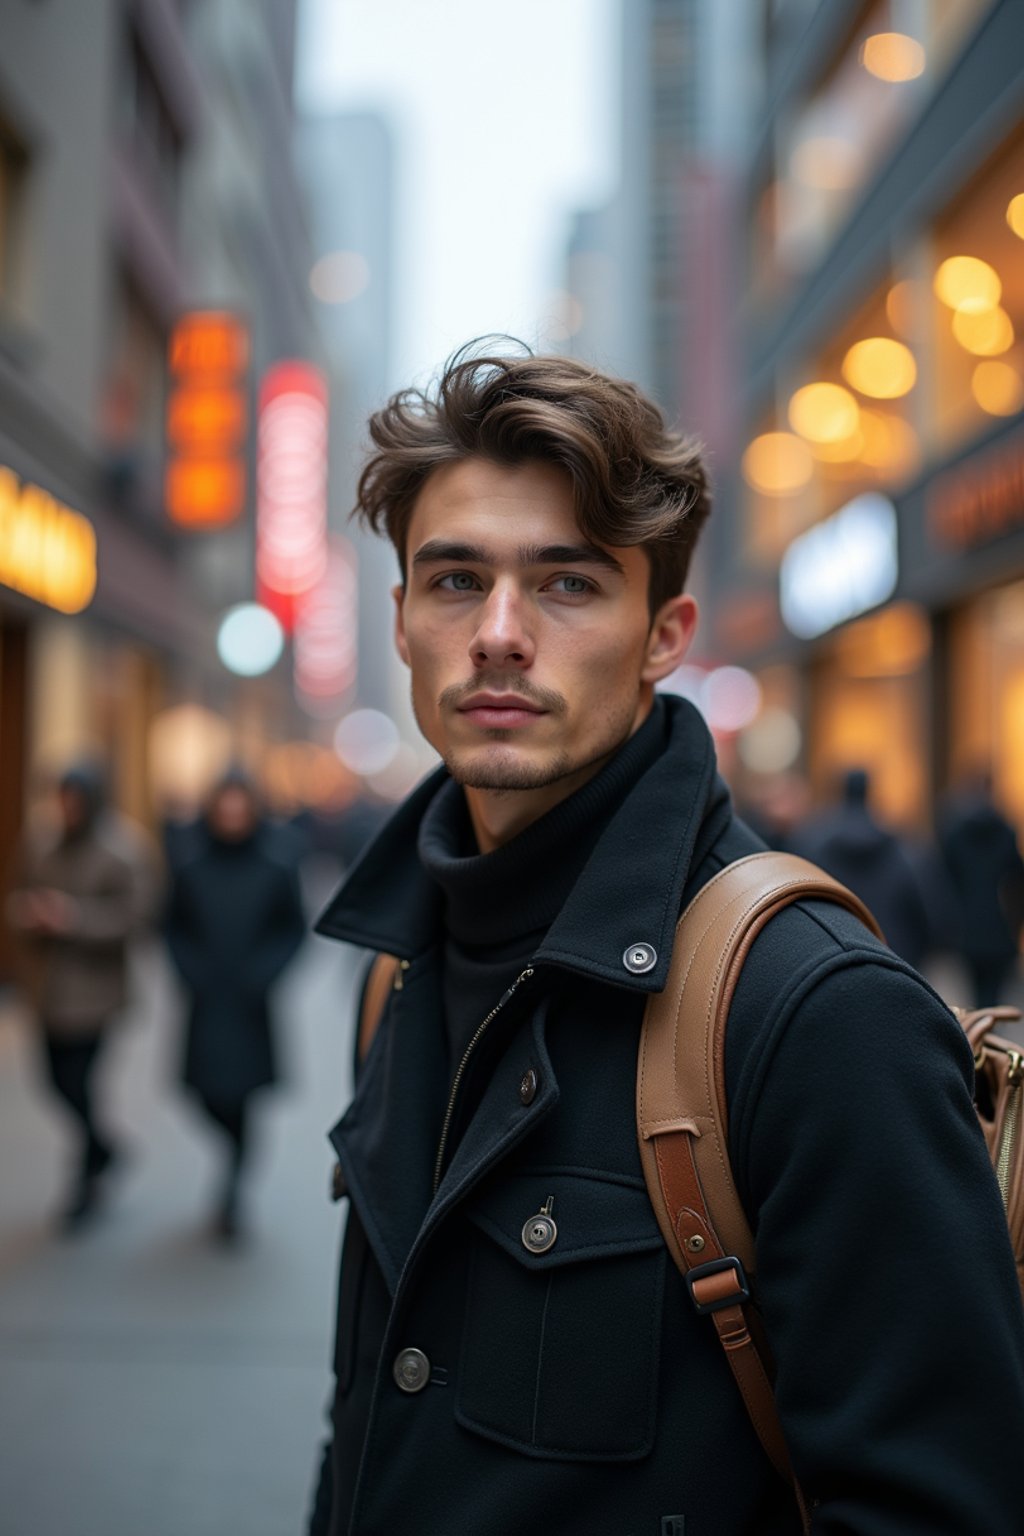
x: 339, y: 1189
x: 640, y: 958
x: 411, y: 1370
x: 528, y: 1086
x: 539, y: 1233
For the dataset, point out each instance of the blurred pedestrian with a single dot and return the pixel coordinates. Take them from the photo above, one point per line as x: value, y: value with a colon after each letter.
x: 851, y: 844
x: 986, y: 870
x: 84, y: 891
x: 235, y: 920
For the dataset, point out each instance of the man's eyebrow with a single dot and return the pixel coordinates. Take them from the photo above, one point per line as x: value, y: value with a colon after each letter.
x: 438, y: 551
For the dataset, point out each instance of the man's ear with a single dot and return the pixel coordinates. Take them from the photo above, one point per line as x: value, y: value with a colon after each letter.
x: 671, y: 635
x: 398, y: 593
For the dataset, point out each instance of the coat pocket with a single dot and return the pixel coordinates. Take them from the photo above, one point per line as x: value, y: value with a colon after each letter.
x: 561, y: 1340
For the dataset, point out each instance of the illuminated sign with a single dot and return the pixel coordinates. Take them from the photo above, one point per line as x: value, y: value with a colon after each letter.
x: 207, y: 419
x: 980, y: 500
x: 326, y: 631
x: 47, y: 552
x: 291, y: 487
x: 842, y: 567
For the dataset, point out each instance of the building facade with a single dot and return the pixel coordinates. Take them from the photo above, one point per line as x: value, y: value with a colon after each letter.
x: 868, y: 559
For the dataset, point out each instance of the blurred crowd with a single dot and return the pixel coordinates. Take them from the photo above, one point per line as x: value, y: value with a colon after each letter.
x: 225, y: 895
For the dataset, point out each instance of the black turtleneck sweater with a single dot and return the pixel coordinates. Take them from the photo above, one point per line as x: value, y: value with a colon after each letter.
x: 498, y: 906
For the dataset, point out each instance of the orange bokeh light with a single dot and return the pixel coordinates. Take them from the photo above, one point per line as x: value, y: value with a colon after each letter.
x: 204, y: 493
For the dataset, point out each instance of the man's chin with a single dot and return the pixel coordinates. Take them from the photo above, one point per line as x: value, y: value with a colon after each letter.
x: 506, y: 768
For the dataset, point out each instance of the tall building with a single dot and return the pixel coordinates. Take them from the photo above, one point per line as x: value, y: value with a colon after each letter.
x: 144, y: 167
x: 870, y: 563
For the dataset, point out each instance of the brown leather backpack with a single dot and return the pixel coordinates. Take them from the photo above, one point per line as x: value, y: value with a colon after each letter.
x: 682, y: 1116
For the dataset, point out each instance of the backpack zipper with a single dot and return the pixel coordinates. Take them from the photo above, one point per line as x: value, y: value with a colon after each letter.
x: 460, y: 1073
x: 1011, y: 1124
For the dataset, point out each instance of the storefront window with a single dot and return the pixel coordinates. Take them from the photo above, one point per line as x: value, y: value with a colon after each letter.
x: 977, y: 305
x: 837, y: 138
x: 849, y: 424
x: 986, y: 694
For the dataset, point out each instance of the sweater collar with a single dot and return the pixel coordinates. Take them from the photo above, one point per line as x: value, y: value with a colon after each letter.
x: 627, y: 894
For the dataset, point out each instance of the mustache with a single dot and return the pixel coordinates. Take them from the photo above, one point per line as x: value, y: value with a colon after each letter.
x: 544, y: 698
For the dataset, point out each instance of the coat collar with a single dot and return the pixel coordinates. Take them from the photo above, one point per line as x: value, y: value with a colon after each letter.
x: 628, y: 894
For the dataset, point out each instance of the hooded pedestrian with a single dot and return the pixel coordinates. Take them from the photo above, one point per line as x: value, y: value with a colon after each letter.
x: 235, y: 920
x: 87, y: 887
x: 987, y: 874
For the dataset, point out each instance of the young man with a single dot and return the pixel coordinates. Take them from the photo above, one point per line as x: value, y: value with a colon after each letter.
x: 515, y: 1350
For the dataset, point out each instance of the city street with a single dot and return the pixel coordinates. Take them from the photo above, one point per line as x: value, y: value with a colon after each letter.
x: 151, y: 1381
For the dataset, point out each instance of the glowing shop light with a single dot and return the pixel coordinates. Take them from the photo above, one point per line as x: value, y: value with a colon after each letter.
x: 291, y: 486
x: 250, y: 640
x: 777, y: 463
x: 367, y: 741
x: 998, y: 388
x: 893, y: 57
x: 339, y: 277
x: 841, y: 567
x: 47, y: 551
x: 880, y: 367
x: 986, y: 332
x: 326, y: 626
x: 968, y: 280
x: 1015, y: 215
x: 730, y: 698
x: 824, y: 413
x: 889, y: 442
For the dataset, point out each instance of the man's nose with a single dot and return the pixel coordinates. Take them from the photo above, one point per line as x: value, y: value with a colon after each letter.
x: 503, y: 635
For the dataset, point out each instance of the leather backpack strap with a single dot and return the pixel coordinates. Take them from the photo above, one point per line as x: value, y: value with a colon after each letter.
x: 682, y: 1115
x: 381, y: 977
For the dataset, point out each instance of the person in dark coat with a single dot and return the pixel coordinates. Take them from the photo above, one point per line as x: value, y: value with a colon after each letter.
x: 986, y: 870
x: 235, y: 920
x: 851, y: 844
x: 496, y: 1373
x: 86, y: 888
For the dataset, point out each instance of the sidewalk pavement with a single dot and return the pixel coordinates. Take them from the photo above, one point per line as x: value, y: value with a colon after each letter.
x: 151, y: 1383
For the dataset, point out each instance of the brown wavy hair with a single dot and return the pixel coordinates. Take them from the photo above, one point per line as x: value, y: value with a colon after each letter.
x: 635, y: 480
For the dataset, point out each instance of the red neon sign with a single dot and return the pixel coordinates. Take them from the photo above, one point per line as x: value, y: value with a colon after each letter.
x: 291, y: 486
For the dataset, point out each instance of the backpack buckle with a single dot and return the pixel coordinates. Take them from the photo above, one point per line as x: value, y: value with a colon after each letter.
x: 715, y: 1297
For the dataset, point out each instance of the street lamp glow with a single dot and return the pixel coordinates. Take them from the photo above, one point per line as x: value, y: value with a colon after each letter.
x: 250, y: 640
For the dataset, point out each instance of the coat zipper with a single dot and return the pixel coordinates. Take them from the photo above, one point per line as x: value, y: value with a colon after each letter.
x: 1011, y: 1125
x: 457, y: 1080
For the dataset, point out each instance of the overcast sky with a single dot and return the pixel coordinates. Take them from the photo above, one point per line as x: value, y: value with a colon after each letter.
x: 505, y: 118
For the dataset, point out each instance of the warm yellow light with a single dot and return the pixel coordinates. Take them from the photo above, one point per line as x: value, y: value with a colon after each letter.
x: 901, y: 307
x: 824, y: 413
x: 777, y: 463
x: 47, y: 551
x: 844, y: 451
x: 893, y: 56
x: 880, y: 367
x: 1015, y: 215
x: 968, y: 280
x: 890, y: 443
x: 827, y: 162
x: 998, y: 388
x: 892, y: 643
x: 985, y: 332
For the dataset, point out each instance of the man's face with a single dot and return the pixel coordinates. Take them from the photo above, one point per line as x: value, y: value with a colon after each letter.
x: 532, y: 651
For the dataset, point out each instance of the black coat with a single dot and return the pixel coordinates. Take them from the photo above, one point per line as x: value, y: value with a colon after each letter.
x: 877, y: 867
x: 576, y: 1390
x: 987, y: 874
x: 235, y: 919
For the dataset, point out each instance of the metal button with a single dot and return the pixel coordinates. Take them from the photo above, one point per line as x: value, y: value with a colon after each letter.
x: 339, y: 1189
x: 528, y: 1086
x: 411, y: 1370
x: 640, y: 958
x: 540, y: 1231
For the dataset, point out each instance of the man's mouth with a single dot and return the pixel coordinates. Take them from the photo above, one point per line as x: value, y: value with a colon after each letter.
x: 500, y: 711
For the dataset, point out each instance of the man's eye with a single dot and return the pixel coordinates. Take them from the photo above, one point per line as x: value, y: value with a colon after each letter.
x: 572, y: 586
x: 458, y: 581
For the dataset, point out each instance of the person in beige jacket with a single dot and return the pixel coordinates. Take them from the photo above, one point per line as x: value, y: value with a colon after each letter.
x: 84, y: 891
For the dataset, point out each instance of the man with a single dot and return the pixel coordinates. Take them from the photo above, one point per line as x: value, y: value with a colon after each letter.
x: 980, y: 853
x: 85, y: 890
x: 234, y: 922
x: 515, y: 1351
